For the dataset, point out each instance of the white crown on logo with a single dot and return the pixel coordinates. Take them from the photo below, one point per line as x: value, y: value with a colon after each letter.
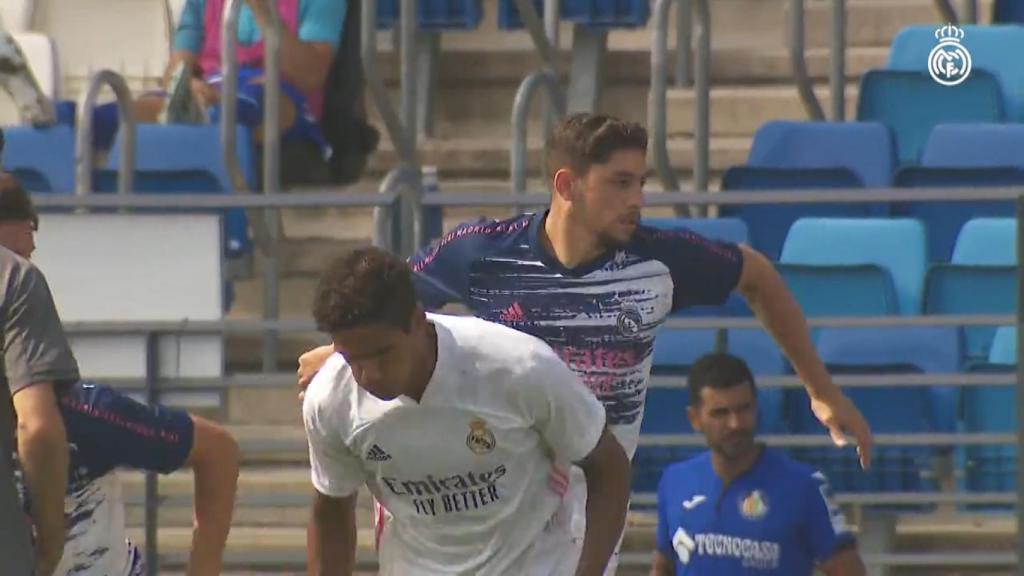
x: 949, y: 33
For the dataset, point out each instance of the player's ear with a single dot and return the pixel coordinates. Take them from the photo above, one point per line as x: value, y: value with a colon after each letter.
x: 693, y: 414
x: 563, y: 185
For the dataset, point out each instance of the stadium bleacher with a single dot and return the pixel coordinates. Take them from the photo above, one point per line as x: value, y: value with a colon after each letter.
x: 858, y: 259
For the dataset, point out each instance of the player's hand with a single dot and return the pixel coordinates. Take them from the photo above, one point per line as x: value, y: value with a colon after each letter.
x: 841, y: 417
x: 309, y: 364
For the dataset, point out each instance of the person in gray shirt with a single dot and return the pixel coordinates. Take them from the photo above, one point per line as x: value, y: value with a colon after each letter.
x: 37, y: 359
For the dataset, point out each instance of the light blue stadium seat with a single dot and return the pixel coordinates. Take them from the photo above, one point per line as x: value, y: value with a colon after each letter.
x: 592, y: 13
x: 981, y: 279
x: 945, y: 219
x: 992, y: 409
x: 993, y: 49
x: 865, y: 148
x: 890, y: 410
x: 440, y: 15
x: 895, y: 245
x: 842, y: 290
x: 48, y: 151
x: 169, y: 148
x: 769, y: 223
x: 911, y: 103
x: 974, y: 145
x: 987, y: 242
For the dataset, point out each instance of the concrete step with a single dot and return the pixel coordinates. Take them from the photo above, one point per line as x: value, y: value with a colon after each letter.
x: 738, y: 111
x: 871, y: 22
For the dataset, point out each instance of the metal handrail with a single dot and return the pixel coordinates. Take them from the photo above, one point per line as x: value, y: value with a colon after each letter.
x: 407, y: 30
x: 799, y: 62
x: 83, y: 135
x: 537, y: 29
x: 400, y: 137
x: 946, y: 11
x: 702, y: 89
x: 520, y: 112
x: 837, y: 77
x: 658, y: 97
x: 684, y: 50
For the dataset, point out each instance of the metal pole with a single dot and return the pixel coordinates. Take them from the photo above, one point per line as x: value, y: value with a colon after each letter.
x: 684, y: 48
x: 799, y: 63
x: 126, y: 132
x: 520, y: 111
x: 152, y: 488
x: 702, y: 111
x: 407, y: 52
x: 1020, y: 389
x: 405, y: 148
x: 536, y: 28
x: 657, y: 114
x: 838, y: 75
x: 946, y: 11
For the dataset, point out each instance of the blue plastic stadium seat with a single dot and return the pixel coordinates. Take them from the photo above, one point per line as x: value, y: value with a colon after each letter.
x: 591, y: 13
x: 32, y: 180
x: 994, y: 49
x: 169, y: 148
x: 992, y: 409
x: 437, y: 15
x: 981, y: 279
x: 769, y: 223
x: 865, y: 148
x: 911, y: 103
x: 893, y: 410
x: 895, y: 245
x: 944, y: 219
x: 47, y: 151
x: 846, y: 290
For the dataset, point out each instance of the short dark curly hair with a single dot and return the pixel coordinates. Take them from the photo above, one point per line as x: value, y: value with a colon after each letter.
x: 362, y: 287
x: 585, y: 139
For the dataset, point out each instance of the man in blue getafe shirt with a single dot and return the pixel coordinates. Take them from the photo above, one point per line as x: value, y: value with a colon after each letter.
x: 742, y: 508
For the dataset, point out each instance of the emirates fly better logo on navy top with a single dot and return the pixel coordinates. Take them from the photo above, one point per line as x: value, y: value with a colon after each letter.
x: 949, y: 63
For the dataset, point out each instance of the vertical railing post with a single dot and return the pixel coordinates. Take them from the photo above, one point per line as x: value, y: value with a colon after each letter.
x: 799, y: 63
x: 84, y: 132
x: 684, y: 48
x: 152, y: 489
x: 837, y: 78
x: 702, y: 111
x: 657, y: 113
x: 271, y: 228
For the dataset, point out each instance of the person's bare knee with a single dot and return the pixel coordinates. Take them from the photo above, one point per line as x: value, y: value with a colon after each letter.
x: 148, y: 108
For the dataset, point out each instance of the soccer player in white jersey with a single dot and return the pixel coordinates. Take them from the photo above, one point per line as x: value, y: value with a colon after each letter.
x: 587, y: 277
x: 463, y: 429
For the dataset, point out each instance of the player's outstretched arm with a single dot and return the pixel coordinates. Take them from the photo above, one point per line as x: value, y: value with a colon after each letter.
x: 331, y: 536
x: 43, y: 452
x: 607, y: 471
x: 662, y: 565
x: 214, y: 460
x: 773, y: 304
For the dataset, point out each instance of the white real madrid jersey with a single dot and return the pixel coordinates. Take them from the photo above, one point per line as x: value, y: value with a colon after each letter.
x: 474, y: 472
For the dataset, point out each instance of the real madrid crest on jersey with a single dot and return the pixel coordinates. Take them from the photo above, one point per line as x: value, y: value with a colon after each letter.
x: 480, y: 440
x: 629, y: 321
x: 754, y: 506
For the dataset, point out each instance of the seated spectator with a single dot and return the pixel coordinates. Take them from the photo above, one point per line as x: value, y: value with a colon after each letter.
x: 311, y: 31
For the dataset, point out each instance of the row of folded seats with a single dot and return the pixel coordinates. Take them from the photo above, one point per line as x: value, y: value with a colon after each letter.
x: 868, y: 267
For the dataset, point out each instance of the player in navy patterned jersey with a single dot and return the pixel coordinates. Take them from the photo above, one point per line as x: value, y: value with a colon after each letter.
x: 742, y: 508
x: 107, y: 430
x: 595, y: 284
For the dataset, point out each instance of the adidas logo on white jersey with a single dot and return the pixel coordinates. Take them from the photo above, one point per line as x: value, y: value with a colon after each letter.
x: 377, y: 454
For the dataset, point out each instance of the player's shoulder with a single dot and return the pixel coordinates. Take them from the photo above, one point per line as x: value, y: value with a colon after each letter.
x: 494, y: 346
x: 474, y: 239
x: 657, y: 241
x: 686, y: 472
x: 790, y: 472
x: 331, y: 390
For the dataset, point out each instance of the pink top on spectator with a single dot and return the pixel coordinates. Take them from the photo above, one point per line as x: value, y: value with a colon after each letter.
x: 251, y: 55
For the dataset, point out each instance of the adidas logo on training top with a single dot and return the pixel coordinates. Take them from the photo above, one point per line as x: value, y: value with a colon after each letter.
x: 377, y: 454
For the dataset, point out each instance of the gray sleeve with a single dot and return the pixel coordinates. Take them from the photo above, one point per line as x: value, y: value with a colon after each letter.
x: 35, y: 348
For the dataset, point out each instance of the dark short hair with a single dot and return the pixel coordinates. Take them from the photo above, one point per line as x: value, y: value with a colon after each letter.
x: 583, y: 140
x: 362, y: 287
x: 15, y: 203
x: 718, y: 371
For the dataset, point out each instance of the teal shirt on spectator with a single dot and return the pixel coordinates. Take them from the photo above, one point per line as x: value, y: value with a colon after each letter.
x: 319, y: 21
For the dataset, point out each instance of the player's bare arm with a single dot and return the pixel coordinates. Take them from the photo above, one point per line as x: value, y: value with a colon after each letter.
x: 773, y: 304
x: 662, y: 565
x: 43, y: 452
x: 607, y: 470
x: 331, y: 536
x: 214, y: 460
x: 846, y: 562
